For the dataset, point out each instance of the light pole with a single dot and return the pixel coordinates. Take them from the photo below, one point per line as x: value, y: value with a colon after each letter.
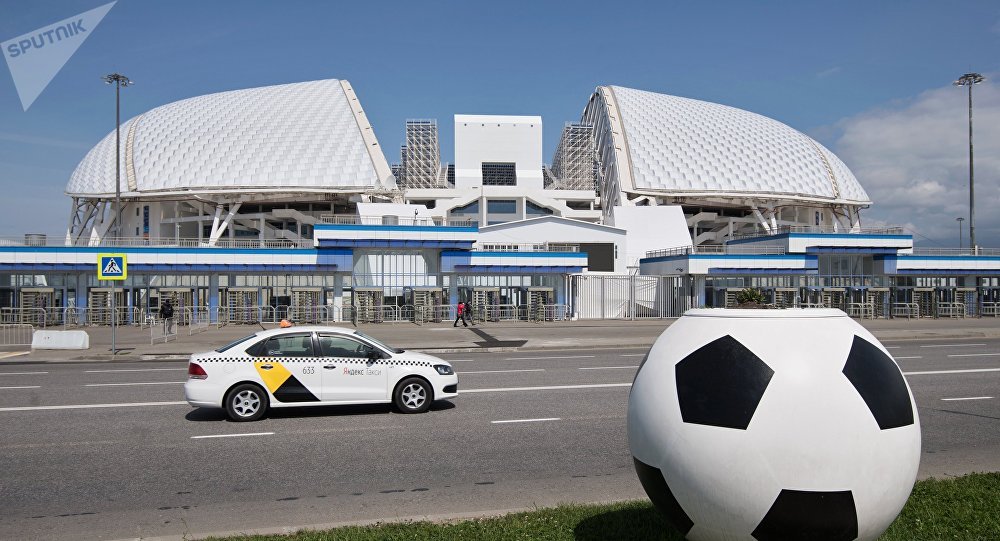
x: 970, y: 79
x: 960, y: 220
x: 119, y: 81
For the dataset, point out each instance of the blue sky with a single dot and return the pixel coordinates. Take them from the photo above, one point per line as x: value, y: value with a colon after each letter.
x: 824, y: 68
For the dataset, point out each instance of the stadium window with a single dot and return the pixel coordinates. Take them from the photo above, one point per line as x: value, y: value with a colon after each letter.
x: 537, y: 210
x: 501, y: 206
x: 499, y: 174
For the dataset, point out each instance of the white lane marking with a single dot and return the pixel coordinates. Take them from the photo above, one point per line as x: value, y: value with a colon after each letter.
x: 974, y: 354
x: 9, y: 354
x: 22, y: 373
x: 931, y: 372
x: 232, y: 435
x: 461, y: 360
x: 128, y: 384
x: 545, y: 388
x: 92, y: 406
x: 893, y: 347
x: 133, y: 370
x: 503, y: 371
x: 952, y: 345
x: 606, y: 367
x: 632, y: 355
x: 543, y: 358
x: 968, y: 398
x: 910, y: 357
x: 23, y: 387
x: 526, y: 420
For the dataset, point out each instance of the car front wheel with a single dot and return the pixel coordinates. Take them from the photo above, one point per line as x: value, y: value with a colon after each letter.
x: 246, y: 402
x: 413, y: 395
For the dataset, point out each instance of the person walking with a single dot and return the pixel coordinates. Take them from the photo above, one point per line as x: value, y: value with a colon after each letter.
x: 167, y: 313
x: 460, y: 315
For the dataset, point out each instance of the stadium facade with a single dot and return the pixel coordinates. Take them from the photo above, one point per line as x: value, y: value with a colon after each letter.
x: 279, y: 202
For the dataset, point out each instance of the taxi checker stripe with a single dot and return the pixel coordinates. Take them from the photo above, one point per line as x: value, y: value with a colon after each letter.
x: 283, y: 385
x: 314, y: 360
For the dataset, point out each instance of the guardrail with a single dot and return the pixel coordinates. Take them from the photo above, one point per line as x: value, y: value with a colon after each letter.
x: 166, y: 331
x: 721, y: 249
x: 16, y: 334
x: 990, y: 309
x: 823, y: 229
x: 861, y: 310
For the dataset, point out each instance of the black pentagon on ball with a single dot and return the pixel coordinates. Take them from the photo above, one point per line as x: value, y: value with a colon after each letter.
x: 880, y: 384
x: 809, y: 516
x: 659, y: 493
x: 721, y: 384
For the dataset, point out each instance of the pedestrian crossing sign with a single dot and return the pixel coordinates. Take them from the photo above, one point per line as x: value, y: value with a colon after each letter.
x: 112, y: 267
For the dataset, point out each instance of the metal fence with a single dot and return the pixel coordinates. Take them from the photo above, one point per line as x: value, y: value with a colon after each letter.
x: 16, y: 334
x: 628, y: 296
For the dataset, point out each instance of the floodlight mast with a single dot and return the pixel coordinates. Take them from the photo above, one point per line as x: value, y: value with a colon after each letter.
x: 969, y: 80
x: 119, y: 81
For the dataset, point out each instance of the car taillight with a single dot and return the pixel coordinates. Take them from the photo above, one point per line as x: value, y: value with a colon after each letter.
x: 195, y: 371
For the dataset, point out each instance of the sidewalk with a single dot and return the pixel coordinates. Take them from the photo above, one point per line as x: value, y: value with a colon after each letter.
x: 133, y: 343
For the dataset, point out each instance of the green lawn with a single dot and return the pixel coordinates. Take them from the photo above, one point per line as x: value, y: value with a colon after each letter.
x: 967, y: 509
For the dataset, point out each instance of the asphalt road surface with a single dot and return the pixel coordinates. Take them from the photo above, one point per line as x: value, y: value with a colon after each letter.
x: 111, y: 451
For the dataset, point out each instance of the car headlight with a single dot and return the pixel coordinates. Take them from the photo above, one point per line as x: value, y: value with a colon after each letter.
x: 444, y: 369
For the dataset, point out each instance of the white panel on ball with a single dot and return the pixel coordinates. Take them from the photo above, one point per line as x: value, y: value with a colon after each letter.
x: 773, y: 424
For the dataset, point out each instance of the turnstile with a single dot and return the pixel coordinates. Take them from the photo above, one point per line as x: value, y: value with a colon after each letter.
x: 36, y: 306
x: 307, y: 305
x: 367, y: 303
x: 425, y: 302
x: 242, y: 304
x: 99, y: 306
x: 181, y: 299
x: 539, y: 302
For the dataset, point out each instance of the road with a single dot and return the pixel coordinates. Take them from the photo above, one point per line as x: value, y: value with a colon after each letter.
x: 111, y: 451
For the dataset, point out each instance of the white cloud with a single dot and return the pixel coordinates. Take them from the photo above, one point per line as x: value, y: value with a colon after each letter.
x: 913, y: 160
x: 828, y: 72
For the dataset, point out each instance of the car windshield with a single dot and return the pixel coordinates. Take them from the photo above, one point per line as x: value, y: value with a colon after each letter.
x: 235, y: 343
x: 378, y: 343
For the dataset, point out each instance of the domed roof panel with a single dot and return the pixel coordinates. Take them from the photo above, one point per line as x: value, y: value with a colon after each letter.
x: 295, y: 136
x: 690, y: 146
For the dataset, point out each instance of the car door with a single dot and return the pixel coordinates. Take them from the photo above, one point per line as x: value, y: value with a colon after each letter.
x: 289, y: 367
x: 349, y: 374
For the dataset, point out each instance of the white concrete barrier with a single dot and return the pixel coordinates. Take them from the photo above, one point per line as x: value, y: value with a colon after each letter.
x: 60, y: 340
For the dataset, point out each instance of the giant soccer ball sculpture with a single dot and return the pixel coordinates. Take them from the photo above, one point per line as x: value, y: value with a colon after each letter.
x: 773, y: 425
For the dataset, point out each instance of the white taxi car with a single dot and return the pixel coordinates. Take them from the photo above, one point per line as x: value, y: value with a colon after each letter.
x: 314, y: 366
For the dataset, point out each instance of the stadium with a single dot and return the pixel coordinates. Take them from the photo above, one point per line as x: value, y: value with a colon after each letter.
x: 257, y: 204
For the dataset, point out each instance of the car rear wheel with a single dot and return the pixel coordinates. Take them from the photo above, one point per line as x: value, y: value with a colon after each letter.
x: 413, y: 395
x: 246, y: 402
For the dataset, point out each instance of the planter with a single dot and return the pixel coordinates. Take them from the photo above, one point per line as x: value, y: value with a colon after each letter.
x: 773, y: 424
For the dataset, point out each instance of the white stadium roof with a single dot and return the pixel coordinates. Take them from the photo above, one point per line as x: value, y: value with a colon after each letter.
x: 301, y: 137
x: 685, y: 147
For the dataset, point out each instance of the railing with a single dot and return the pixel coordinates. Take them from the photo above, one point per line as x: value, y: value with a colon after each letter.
x: 951, y: 309
x: 861, y: 310
x: 905, y: 309
x: 16, y: 334
x: 166, y: 331
x: 823, y: 229
x: 717, y: 249
x: 350, y: 219
x: 526, y: 247
x: 166, y: 242
x: 955, y: 251
x: 990, y: 309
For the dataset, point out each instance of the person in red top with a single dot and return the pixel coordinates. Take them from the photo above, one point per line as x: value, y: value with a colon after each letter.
x: 460, y: 315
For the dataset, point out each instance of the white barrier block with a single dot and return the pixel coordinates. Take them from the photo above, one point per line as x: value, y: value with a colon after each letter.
x: 60, y: 340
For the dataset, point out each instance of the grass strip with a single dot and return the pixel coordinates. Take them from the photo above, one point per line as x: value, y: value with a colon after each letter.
x: 966, y: 508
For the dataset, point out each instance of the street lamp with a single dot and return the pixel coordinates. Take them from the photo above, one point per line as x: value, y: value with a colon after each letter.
x: 960, y: 220
x: 970, y: 79
x: 119, y: 81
